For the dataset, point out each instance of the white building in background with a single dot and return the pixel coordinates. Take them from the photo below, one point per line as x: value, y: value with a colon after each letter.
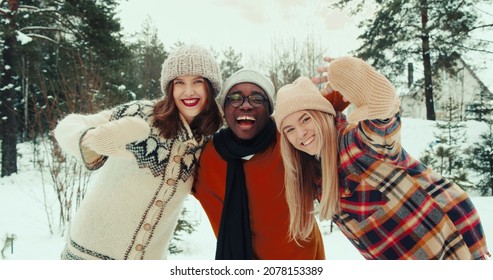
x: 464, y: 88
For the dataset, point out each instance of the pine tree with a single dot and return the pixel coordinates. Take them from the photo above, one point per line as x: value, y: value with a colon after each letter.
x: 482, y: 109
x: 446, y: 155
x: 480, y: 160
x: 8, y: 92
x: 48, y: 47
x: 231, y: 62
x: 93, y: 40
x: 148, y: 55
x: 184, y: 226
x: 426, y: 31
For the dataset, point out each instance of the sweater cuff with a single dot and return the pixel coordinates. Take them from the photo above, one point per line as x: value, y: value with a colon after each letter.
x: 91, y: 159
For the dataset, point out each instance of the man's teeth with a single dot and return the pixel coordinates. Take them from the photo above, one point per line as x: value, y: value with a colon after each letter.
x: 245, y: 118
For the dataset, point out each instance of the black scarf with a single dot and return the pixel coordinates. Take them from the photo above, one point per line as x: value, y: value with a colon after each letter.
x: 234, y: 240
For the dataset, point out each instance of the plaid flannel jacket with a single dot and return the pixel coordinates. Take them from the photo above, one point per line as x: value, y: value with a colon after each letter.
x: 393, y: 206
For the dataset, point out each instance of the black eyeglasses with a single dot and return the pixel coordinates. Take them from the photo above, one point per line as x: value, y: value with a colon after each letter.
x: 236, y: 100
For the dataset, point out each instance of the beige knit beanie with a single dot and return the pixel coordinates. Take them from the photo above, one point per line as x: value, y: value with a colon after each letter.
x: 247, y: 76
x: 302, y: 94
x: 370, y: 92
x: 191, y: 60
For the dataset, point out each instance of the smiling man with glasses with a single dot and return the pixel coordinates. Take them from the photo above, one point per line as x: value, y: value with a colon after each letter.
x: 240, y: 178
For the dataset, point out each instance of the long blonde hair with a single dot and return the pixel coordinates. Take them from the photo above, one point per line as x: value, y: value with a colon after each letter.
x: 301, y: 172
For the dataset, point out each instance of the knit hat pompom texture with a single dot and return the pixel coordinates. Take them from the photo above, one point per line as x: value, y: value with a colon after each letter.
x: 372, y: 94
x: 191, y: 60
x: 302, y: 94
x: 248, y: 76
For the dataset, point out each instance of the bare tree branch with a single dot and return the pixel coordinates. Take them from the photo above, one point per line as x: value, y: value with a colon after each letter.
x: 481, y: 26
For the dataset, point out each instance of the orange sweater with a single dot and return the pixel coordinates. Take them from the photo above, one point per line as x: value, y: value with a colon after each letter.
x: 269, y: 214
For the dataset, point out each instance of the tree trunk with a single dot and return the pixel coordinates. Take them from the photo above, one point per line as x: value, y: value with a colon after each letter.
x: 425, y: 37
x: 8, y: 96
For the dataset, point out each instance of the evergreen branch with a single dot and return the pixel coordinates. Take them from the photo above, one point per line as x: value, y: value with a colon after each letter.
x: 38, y: 28
x: 70, y: 25
x: 465, y: 47
x: 38, y: 36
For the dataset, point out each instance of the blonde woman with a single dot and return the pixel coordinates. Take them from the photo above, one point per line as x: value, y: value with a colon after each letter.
x: 388, y: 204
x: 145, y: 153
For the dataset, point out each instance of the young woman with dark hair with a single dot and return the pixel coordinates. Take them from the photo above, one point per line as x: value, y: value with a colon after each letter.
x: 145, y: 153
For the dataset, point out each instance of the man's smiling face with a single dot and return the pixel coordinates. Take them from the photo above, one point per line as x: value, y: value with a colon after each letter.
x: 246, y: 121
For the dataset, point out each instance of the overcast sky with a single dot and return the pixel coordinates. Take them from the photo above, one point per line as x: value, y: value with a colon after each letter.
x: 253, y: 26
x: 248, y: 26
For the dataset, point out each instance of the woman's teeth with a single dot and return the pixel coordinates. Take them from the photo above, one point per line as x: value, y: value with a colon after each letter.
x: 309, y: 141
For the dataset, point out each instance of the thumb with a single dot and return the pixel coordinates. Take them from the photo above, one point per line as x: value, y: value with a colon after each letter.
x: 337, y: 100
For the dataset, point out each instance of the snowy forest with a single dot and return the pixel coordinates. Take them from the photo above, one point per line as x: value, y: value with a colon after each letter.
x: 64, y: 56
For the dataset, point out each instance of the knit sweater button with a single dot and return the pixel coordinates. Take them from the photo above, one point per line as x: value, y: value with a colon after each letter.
x: 176, y: 159
x: 139, y: 247
x: 147, y: 227
x: 170, y: 182
x: 159, y: 203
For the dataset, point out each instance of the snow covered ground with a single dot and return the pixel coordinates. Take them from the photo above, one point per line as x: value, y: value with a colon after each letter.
x: 26, y: 204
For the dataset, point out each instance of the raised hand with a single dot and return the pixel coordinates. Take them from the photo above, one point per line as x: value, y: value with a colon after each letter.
x: 110, y: 139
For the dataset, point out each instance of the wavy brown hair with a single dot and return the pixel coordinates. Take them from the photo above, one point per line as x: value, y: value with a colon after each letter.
x: 167, y: 116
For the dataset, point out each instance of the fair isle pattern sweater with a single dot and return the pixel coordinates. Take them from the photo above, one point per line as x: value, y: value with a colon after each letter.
x: 395, y: 207
x: 132, y: 205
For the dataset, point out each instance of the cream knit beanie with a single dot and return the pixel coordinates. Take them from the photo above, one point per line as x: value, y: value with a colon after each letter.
x: 247, y: 76
x: 302, y: 94
x: 191, y: 60
x: 370, y: 92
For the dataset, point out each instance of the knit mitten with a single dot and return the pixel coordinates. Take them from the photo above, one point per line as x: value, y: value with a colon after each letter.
x: 370, y: 92
x: 110, y: 139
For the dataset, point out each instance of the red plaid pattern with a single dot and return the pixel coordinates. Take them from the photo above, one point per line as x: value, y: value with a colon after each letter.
x: 393, y: 206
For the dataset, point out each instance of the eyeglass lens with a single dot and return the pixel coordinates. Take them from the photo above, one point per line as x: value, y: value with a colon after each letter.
x: 236, y: 100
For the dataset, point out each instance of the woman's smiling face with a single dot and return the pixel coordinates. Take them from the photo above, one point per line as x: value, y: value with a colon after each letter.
x: 299, y: 129
x: 190, y: 95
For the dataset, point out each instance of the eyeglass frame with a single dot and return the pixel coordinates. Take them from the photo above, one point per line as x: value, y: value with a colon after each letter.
x: 264, y: 99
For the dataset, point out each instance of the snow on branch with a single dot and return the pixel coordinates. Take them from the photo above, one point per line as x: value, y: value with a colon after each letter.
x: 23, y: 38
x: 28, y: 7
x: 33, y: 35
x: 39, y: 28
x: 36, y: 9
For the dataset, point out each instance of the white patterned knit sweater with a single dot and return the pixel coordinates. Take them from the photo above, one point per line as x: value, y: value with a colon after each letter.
x: 132, y: 206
